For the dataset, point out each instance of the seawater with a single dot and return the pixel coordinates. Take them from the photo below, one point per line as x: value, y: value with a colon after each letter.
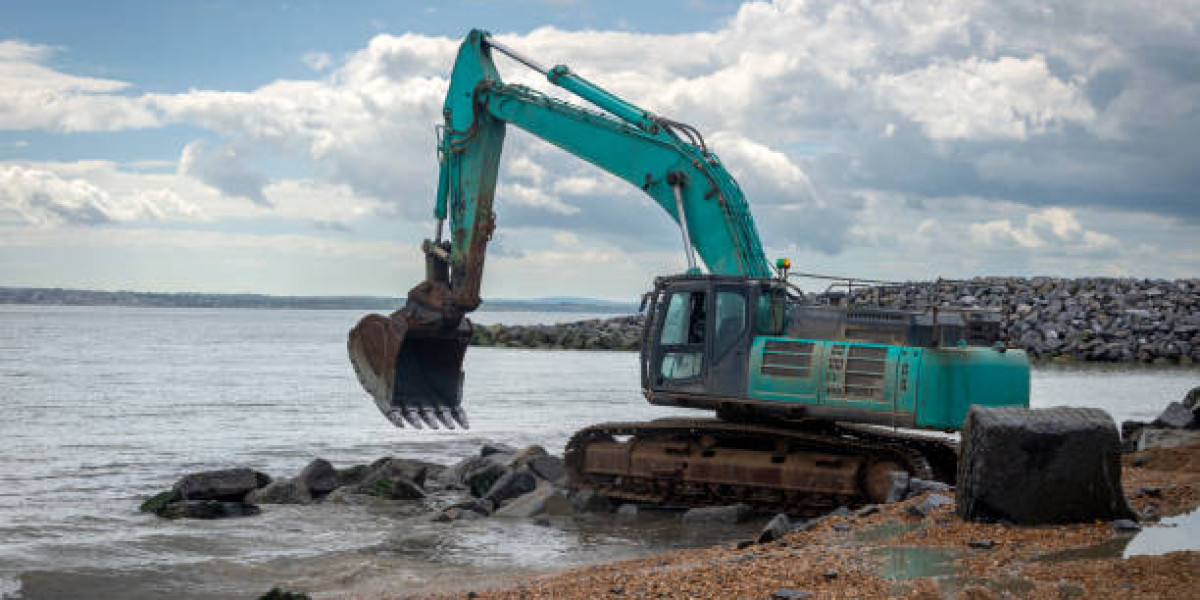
x: 106, y: 405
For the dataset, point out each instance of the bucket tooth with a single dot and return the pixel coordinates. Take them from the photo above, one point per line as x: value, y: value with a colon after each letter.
x: 396, y: 418
x: 444, y: 417
x: 426, y: 416
x: 460, y: 415
x: 411, y: 417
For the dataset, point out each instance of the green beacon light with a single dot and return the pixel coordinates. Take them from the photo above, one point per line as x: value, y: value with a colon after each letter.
x: 782, y: 265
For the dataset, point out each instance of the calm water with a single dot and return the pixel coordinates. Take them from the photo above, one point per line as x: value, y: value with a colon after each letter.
x: 107, y: 405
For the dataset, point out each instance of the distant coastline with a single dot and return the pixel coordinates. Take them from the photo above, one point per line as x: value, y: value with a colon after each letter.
x: 73, y: 297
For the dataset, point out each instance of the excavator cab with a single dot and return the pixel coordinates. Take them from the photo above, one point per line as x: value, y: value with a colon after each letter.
x: 699, y: 333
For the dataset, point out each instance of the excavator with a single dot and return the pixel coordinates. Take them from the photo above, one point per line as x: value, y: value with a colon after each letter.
x: 817, y: 405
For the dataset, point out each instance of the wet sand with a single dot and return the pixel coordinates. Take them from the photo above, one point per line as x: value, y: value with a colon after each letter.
x: 895, y: 554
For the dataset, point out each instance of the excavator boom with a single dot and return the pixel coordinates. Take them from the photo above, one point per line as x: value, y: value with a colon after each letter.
x: 411, y: 361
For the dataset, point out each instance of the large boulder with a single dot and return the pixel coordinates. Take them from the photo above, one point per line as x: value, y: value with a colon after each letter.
x: 527, y: 505
x: 549, y: 468
x: 511, y: 485
x: 319, y: 477
x: 1030, y: 467
x: 229, y: 485
x: 283, y: 491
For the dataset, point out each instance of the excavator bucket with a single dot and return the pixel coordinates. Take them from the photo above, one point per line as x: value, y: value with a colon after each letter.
x: 412, y: 367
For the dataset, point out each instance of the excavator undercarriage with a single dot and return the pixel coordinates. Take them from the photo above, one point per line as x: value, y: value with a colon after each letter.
x: 806, y: 469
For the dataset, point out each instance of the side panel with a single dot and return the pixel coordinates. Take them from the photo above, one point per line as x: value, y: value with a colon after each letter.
x: 951, y: 380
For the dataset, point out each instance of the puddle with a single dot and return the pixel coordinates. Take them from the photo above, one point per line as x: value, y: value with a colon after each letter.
x: 1180, y: 532
x: 906, y: 562
x: 886, y: 531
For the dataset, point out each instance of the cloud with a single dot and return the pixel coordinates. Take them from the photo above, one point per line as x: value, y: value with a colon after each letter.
x: 224, y: 170
x: 35, y: 96
x: 951, y: 126
x: 42, y: 198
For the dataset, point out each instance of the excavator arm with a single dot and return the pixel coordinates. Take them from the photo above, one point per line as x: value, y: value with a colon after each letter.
x: 410, y: 362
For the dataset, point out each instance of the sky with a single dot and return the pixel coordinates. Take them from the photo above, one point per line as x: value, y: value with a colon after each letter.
x: 289, y: 147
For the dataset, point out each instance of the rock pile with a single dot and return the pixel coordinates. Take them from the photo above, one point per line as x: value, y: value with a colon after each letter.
x: 1178, y: 425
x: 619, y: 333
x: 1086, y: 319
x: 1095, y: 319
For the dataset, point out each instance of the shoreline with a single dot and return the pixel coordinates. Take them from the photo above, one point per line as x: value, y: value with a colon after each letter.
x: 894, y: 553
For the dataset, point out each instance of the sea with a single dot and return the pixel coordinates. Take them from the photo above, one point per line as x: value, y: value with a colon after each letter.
x: 104, y: 406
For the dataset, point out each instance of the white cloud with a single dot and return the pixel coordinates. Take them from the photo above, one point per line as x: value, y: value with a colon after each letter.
x: 1050, y: 228
x: 224, y: 170
x: 973, y: 99
x: 43, y: 198
x: 34, y: 96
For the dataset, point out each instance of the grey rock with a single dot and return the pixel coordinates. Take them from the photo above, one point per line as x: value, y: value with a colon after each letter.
x: 898, y: 482
x: 778, y: 527
x: 736, y: 513
x: 627, y: 511
x: 490, y: 448
x: 840, y: 511
x: 1176, y: 416
x: 511, y: 485
x: 548, y: 467
x: 587, y: 500
x: 1031, y: 467
x: 982, y: 544
x: 526, y: 505
x: 1192, y: 400
x: 917, y: 486
x: 397, y: 488
x: 319, y: 477
x: 866, y: 511
x: 416, y: 471
x: 841, y: 526
x: 283, y: 491
x: 558, y: 504
x: 790, y: 594
x: 1166, y: 438
x: 229, y: 485
x: 207, y: 509
x: 1125, y: 525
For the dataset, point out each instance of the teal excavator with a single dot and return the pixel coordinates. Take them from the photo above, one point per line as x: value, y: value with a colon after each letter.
x: 816, y: 404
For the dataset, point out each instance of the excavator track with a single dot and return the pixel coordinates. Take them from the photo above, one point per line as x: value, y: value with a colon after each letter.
x: 698, y: 462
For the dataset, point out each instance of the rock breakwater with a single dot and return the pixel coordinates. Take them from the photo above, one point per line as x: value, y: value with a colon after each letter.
x: 1084, y: 319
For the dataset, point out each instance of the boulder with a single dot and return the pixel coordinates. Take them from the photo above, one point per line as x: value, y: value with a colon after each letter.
x: 207, y: 509
x: 898, y: 482
x: 352, y: 476
x: 229, y: 485
x: 490, y: 448
x: 735, y: 513
x: 1176, y: 416
x: 511, y: 485
x: 917, y: 486
x: 527, y: 505
x: 527, y: 454
x: 1030, y: 467
x: 413, y: 470
x: 1192, y: 400
x: 319, y: 477
x: 155, y: 503
x: 283, y: 491
x: 588, y: 500
x: 397, y: 488
x: 778, y: 527
x: 1167, y: 438
x: 548, y: 467
x: 627, y: 511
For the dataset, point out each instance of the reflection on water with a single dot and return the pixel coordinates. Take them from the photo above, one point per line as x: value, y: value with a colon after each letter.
x: 913, y: 562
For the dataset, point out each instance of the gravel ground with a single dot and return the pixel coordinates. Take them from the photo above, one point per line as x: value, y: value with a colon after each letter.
x: 895, y: 554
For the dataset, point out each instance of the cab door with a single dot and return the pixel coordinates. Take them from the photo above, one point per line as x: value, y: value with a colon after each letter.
x: 729, y: 342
